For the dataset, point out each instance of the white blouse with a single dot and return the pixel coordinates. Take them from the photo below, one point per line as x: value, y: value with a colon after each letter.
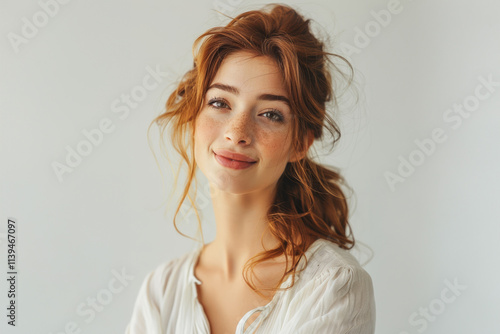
x: 333, y: 295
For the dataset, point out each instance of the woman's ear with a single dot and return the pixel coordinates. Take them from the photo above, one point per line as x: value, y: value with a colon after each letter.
x: 308, y: 140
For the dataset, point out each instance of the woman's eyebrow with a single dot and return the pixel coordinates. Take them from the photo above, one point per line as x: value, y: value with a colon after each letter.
x: 265, y: 97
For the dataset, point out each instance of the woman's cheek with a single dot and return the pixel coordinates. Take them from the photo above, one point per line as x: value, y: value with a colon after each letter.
x: 276, y: 144
x: 207, y: 126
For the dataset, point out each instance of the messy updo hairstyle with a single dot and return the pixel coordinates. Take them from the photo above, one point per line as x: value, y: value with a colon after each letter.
x: 309, y: 202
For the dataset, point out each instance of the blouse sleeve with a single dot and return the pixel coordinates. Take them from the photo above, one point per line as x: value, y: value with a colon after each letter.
x: 340, y: 301
x: 146, y: 312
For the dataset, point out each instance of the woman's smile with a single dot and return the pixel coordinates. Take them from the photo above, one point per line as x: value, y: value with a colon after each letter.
x: 231, y: 163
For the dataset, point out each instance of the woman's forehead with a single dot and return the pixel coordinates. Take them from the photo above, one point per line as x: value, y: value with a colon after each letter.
x: 243, y: 72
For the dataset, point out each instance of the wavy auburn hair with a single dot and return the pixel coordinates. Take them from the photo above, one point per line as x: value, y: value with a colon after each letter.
x: 309, y: 202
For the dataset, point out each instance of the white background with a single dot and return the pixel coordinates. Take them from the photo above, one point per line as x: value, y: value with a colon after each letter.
x: 110, y: 213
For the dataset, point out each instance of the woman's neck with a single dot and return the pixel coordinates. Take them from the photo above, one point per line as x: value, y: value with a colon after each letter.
x: 241, y: 223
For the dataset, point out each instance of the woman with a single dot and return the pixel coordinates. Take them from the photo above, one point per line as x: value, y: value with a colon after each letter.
x: 248, y: 112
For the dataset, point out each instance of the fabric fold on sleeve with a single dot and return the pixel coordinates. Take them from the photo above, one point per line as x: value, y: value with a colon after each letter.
x: 339, y: 301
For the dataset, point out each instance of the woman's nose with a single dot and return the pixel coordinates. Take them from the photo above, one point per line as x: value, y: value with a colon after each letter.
x: 239, y: 128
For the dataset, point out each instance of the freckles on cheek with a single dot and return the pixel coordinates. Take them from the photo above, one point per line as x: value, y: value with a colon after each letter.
x: 206, y: 127
x: 276, y: 145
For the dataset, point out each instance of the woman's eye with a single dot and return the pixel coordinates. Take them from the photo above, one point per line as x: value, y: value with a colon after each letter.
x: 274, y: 115
x: 217, y: 104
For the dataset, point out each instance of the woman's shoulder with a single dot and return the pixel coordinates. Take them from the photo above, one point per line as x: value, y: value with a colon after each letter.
x: 334, y: 294
x: 327, y: 260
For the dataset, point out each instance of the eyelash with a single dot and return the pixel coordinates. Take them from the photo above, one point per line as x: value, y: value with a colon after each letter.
x: 274, y: 112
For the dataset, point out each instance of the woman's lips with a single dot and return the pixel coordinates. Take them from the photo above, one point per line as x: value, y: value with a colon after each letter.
x: 230, y: 163
x: 233, y: 155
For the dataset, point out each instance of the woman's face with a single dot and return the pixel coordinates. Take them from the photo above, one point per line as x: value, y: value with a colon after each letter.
x: 245, y: 111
